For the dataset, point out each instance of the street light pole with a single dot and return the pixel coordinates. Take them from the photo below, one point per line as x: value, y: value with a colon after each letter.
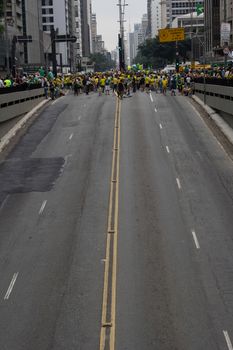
x: 204, y: 53
x: 121, y: 34
x: 191, y: 7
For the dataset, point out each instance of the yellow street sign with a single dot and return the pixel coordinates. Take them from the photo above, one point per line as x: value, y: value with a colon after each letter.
x: 173, y: 34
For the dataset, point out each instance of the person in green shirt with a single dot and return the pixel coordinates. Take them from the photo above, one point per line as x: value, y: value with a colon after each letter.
x: 7, y: 82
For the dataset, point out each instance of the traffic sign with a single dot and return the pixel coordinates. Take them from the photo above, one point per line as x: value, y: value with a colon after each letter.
x: 65, y: 38
x: 173, y: 34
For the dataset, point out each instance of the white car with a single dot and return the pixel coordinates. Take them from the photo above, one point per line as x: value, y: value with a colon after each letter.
x: 169, y: 68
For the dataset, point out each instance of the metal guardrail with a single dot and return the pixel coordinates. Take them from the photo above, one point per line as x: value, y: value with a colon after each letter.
x: 17, y: 103
x: 22, y: 87
x: 215, y: 81
x: 218, y: 97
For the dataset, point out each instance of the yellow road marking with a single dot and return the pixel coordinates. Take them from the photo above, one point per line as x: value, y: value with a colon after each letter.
x: 112, y: 231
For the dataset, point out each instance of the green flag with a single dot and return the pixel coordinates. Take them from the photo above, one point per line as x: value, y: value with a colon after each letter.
x: 200, y: 9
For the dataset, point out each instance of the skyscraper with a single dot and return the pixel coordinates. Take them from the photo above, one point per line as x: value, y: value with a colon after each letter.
x: 149, y: 18
x: 13, y: 27
x: 180, y: 7
x: 32, y: 25
x: 228, y: 13
x: 86, y: 12
x: 155, y: 17
x: 212, y: 25
x: 60, y: 15
x: 78, y: 28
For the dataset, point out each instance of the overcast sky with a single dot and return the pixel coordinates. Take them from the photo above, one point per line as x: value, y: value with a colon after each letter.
x: 108, y: 14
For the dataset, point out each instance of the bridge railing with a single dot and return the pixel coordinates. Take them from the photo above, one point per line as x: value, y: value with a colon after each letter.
x: 17, y: 103
x: 217, y: 96
x: 215, y: 81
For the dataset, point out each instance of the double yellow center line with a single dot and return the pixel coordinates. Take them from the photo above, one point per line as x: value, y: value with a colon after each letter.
x: 108, y: 321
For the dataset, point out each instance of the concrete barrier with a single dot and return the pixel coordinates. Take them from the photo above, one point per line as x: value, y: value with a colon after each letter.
x: 218, y: 97
x: 18, y: 103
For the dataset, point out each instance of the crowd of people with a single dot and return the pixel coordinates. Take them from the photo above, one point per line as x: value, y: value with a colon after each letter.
x: 121, y: 83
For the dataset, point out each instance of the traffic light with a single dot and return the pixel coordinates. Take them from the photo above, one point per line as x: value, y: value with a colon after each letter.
x: 177, y: 66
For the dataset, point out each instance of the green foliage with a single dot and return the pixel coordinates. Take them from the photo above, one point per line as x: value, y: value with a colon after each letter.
x: 101, y: 62
x: 154, y: 54
x: 200, y: 9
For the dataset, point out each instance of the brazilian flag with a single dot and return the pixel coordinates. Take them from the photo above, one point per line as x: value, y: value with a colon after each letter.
x: 200, y: 9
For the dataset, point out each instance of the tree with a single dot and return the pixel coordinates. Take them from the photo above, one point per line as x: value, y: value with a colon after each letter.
x: 102, y: 62
x: 154, y: 54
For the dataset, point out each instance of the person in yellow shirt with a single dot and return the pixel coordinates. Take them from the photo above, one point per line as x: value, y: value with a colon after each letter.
x: 115, y: 82
x: 147, y: 82
x: 102, y: 83
x: 164, y: 85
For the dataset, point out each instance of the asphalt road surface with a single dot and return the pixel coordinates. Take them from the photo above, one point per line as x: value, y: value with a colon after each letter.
x: 116, y: 229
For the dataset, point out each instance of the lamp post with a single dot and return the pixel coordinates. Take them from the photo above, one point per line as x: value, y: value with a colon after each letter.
x: 121, y: 43
x: 191, y: 5
x: 79, y: 62
x: 226, y: 52
x: 203, y: 44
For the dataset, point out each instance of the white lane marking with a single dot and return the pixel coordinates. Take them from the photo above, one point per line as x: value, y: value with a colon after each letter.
x: 160, y: 125
x: 168, y: 150
x: 42, y: 207
x: 79, y: 118
x: 195, y: 239
x: 156, y: 110
x: 228, y: 341
x: 71, y: 136
x: 11, y: 286
x: 178, y: 183
x: 151, y: 98
x: 53, y: 103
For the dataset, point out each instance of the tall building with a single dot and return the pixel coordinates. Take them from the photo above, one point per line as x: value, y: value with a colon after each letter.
x: 93, y: 25
x: 59, y: 14
x: 136, y: 38
x: 23, y: 18
x: 228, y: 12
x: 212, y: 25
x: 32, y: 25
x: 155, y: 17
x: 78, y: 31
x: 194, y: 23
x: 149, y: 19
x: 163, y: 13
x: 14, y: 27
x: 98, y: 45
x: 176, y: 8
x: 86, y: 15
x: 145, y: 26
x: 131, y: 48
